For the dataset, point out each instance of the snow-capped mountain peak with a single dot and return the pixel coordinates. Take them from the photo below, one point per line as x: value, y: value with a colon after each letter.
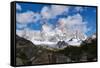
x: 93, y: 36
x: 50, y: 37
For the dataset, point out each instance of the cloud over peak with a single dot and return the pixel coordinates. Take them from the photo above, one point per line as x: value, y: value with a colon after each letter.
x: 73, y: 23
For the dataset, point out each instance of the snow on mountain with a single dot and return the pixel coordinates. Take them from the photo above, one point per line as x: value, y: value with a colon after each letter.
x: 74, y: 42
x: 93, y: 36
x: 50, y: 37
x: 45, y: 43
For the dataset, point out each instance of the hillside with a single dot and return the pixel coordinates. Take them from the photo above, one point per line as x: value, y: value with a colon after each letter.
x: 28, y: 53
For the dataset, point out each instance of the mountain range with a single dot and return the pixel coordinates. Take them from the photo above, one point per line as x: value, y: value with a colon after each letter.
x: 27, y: 53
x: 53, y: 37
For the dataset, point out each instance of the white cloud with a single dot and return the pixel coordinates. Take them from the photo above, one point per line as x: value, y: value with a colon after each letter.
x: 53, y: 11
x: 27, y: 17
x: 25, y: 33
x: 45, y: 12
x: 20, y: 33
x: 18, y: 7
x: 75, y: 19
x: 71, y: 20
x: 57, y: 10
x: 79, y: 9
x: 46, y: 28
x: 73, y: 23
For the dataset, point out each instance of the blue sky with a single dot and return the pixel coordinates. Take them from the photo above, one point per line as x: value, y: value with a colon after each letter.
x: 88, y: 15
